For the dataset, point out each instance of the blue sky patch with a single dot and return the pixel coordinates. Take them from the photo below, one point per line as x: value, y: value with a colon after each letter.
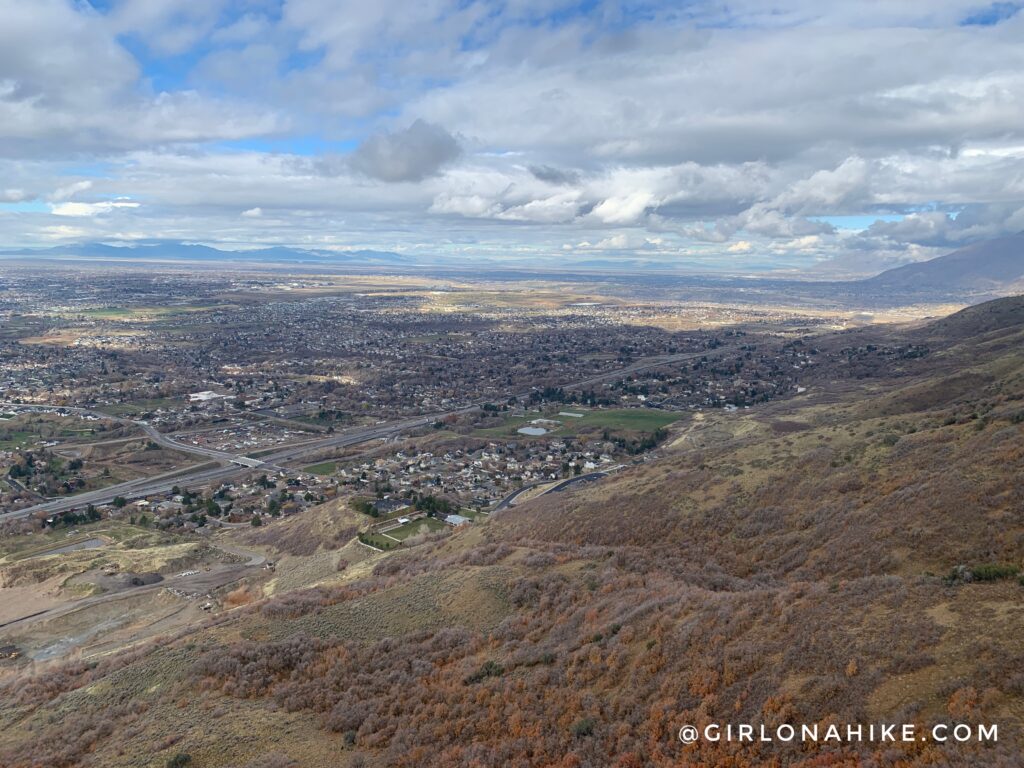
x: 992, y: 15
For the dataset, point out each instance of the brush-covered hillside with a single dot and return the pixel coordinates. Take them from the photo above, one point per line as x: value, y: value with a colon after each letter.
x: 848, y: 555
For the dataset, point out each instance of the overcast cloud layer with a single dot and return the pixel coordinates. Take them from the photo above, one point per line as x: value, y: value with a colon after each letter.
x: 791, y: 135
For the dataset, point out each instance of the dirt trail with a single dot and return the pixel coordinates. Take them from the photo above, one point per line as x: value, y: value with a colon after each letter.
x: 202, y: 581
x: 31, y: 599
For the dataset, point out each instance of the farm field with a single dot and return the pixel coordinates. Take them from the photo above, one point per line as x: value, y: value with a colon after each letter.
x: 16, y: 439
x: 28, y: 428
x: 136, y: 407
x: 323, y: 468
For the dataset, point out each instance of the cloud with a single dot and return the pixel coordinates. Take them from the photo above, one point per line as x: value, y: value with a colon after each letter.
x: 769, y: 221
x: 91, y: 209
x: 15, y: 196
x: 167, y: 26
x: 827, y: 190
x: 69, y: 86
x: 62, y: 232
x: 556, y: 176
x: 945, y: 229
x: 413, y: 154
x: 620, y: 242
x: 70, y: 190
x: 518, y: 126
x: 624, y: 209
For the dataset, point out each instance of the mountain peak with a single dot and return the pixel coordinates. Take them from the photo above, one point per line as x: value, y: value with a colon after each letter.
x: 989, y: 265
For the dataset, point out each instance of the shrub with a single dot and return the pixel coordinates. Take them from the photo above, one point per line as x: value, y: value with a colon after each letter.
x: 994, y: 571
x: 487, y: 669
x: 583, y: 727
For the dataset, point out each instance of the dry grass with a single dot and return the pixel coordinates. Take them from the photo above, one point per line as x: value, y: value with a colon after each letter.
x: 243, y: 595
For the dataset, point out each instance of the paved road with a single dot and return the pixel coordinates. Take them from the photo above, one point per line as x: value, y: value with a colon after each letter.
x: 150, y: 431
x: 19, y: 486
x: 509, y: 501
x: 578, y: 480
x: 164, y: 483
x: 211, y: 453
x: 234, y: 465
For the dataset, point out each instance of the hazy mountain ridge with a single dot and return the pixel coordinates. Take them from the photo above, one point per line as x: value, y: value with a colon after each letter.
x: 987, y: 265
x: 976, y: 272
x: 178, y: 251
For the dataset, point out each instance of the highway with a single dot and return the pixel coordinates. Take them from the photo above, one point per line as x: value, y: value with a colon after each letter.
x: 151, y: 432
x: 164, y: 483
x: 233, y: 465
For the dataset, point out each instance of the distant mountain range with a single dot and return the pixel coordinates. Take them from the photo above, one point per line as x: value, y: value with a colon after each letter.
x: 988, y: 266
x: 981, y: 270
x: 175, y: 251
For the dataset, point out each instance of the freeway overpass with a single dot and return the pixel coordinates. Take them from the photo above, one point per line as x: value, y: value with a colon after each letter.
x: 150, y: 431
x: 232, y: 467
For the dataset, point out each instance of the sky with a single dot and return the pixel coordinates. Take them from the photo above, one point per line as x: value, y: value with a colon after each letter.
x: 792, y: 135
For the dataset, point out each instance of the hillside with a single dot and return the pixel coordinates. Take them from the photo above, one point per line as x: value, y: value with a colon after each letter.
x: 979, y: 320
x: 849, y: 555
x: 989, y: 266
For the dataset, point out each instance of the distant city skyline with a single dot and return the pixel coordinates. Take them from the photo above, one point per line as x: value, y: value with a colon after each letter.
x: 829, y: 138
